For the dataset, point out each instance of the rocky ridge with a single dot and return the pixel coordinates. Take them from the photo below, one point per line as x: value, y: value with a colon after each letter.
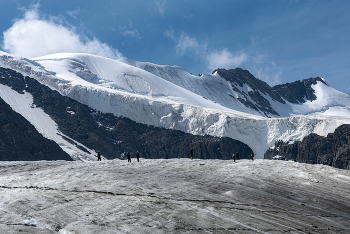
x: 256, y: 97
x: 334, y: 148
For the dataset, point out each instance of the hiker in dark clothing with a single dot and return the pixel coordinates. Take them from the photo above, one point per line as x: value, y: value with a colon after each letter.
x: 313, y: 162
x: 191, y: 153
x: 99, y: 156
x: 252, y: 156
x: 329, y: 164
x: 234, y: 157
x: 128, y: 155
x: 137, y: 156
x: 237, y: 155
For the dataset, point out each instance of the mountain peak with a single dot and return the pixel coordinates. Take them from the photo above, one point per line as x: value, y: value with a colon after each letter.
x: 299, y: 91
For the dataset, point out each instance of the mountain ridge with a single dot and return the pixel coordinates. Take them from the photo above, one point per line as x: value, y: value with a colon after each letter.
x: 171, y: 98
x: 111, y: 135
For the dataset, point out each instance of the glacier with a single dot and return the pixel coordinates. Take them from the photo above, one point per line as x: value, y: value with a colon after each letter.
x: 173, y: 196
x: 169, y: 97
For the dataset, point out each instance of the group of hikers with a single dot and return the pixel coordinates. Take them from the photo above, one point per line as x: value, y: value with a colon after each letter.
x: 137, y: 156
x: 127, y: 155
x: 234, y: 156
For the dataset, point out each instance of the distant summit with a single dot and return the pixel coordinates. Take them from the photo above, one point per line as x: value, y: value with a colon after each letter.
x: 299, y: 91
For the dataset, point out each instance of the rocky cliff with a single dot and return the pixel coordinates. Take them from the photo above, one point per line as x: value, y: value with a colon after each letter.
x: 298, y: 91
x: 295, y: 92
x: 334, y: 148
x: 19, y: 140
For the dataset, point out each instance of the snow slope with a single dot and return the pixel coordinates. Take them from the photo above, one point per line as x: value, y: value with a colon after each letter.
x: 329, y: 102
x: 211, y: 86
x: 179, y: 101
x: 173, y: 196
x: 23, y: 104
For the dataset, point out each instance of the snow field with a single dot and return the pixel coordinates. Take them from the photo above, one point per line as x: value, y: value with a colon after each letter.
x: 173, y: 196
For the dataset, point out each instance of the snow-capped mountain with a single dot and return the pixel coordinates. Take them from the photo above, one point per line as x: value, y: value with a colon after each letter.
x: 227, y: 103
x: 232, y: 88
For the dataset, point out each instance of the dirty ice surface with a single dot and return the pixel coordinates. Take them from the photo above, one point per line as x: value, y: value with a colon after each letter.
x: 173, y: 196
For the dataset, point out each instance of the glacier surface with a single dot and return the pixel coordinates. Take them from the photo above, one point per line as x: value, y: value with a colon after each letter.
x: 173, y: 196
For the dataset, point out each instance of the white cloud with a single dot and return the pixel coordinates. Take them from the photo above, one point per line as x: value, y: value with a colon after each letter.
x: 217, y: 59
x: 128, y: 31
x: 189, y: 44
x: 225, y: 59
x: 267, y: 75
x: 32, y: 37
x: 160, y: 5
x: 170, y: 34
x: 74, y: 13
x: 132, y: 33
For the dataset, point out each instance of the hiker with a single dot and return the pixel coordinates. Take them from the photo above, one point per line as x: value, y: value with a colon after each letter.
x: 237, y: 155
x: 234, y: 157
x: 191, y: 153
x: 137, y: 156
x: 252, y: 156
x: 128, y: 155
x: 329, y: 164
x: 98, y: 156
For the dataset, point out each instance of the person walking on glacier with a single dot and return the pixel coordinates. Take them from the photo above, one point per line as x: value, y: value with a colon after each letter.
x: 191, y: 153
x: 237, y: 155
x: 234, y: 157
x: 128, y: 155
x: 252, y: 156
x: 137, y: 156
x: 98, y: 156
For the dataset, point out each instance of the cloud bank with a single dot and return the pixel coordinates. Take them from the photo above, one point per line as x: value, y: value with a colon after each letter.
x: 215, y: 59
x: 186, y: 44
x: 32, y: 37
x: 225, y: 59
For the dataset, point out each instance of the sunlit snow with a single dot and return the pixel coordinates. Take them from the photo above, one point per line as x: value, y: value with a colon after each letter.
x: 170, y: 97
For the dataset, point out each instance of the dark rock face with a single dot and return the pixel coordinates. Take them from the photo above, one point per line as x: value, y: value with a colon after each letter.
x: 153, y: 142
x: 298, y: 91
x: 19, y: 140
x: 239, y: 77
x: 113, y: 136
x: 341, y: 157
x: 283, y: 151
x: 334, y: 148
x: 316, y: 148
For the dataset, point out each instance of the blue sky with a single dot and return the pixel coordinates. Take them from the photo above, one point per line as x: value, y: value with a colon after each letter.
x: 277, y: 41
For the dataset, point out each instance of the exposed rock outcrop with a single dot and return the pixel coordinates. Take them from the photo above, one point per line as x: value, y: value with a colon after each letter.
x: 240, y: 77
x: 19, y: 140
x: 298, y: 91
x: 295, y: 92
x: 334, y: 148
